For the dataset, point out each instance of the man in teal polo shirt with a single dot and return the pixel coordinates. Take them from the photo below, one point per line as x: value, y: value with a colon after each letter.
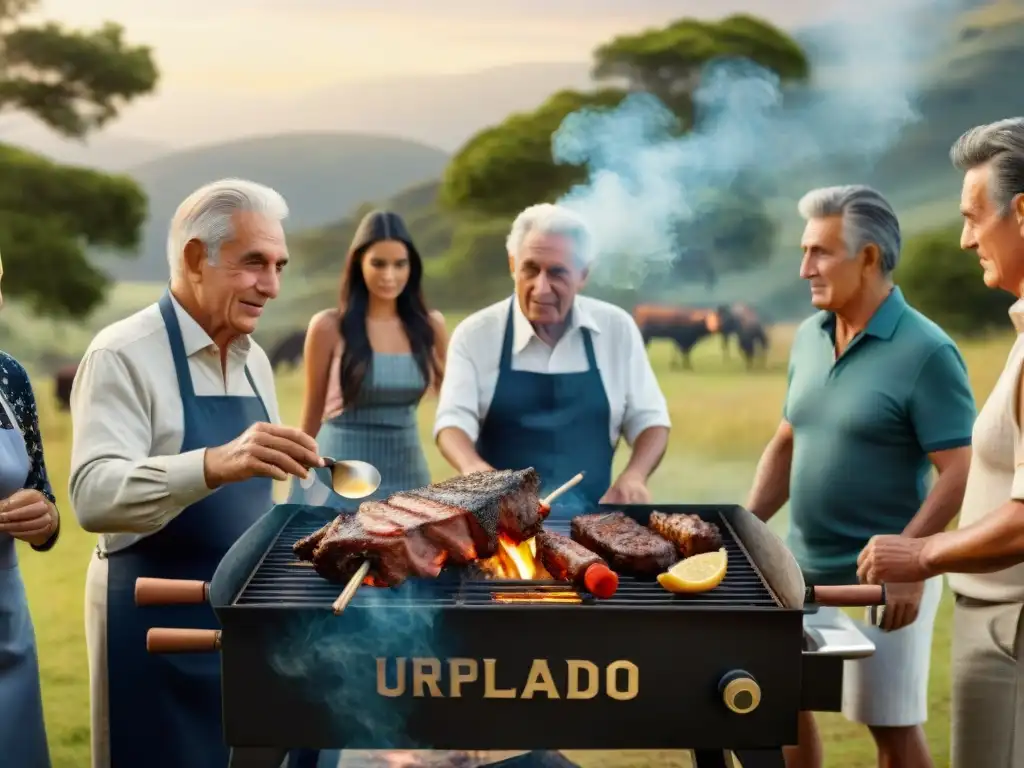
x: 878, y: 395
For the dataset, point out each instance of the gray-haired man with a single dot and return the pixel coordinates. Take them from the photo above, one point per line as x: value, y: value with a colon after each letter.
x: 877, y: 396
x: 551, y: 379
x: 176, y: 441
x: 985, y: 556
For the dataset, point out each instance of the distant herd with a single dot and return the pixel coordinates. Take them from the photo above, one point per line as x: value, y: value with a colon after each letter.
x: 685, y: 327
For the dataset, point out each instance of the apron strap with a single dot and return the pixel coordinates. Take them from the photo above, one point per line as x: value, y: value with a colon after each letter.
x: 588, y: 345
x: 177, y: 346
x: 506, y: 345
x: 256, y: 392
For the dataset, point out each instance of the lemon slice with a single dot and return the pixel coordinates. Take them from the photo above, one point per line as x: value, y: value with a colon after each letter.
x: 696, y: 574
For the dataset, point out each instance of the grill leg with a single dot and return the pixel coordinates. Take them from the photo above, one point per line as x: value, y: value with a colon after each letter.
x: 256, y: 757
x: 761, y: 758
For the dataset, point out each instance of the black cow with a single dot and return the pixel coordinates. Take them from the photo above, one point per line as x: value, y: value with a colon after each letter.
x: 288, y: 350
x: 64, y: 380
x: 741, y: 321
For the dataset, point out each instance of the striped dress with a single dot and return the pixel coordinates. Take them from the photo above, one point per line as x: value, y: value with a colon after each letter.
x: 380, y: 427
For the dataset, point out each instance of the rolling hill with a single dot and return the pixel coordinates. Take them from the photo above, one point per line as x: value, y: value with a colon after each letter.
x: 322, y: 175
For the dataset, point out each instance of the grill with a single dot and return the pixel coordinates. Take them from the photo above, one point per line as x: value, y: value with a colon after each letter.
x: 280, y: 581
x: 467, y: 663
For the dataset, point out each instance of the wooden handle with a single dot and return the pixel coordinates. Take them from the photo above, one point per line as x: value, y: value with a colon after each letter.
x: 165, y: 640
x: 847, y: 596
x: 350, y: 589
x: 170, y: 592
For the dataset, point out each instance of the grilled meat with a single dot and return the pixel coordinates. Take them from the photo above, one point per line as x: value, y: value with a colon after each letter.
x: 413, y: 533
x: 500, y: 501
x: 448, y: 527
x: 568, y: 560
x: 690, y: 534
x: 625, y: 544
x: 393, y: 558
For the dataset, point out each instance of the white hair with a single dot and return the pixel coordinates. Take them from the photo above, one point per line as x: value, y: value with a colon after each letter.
x: 206, y: 215
x: 1002, y: 144
x: 867, y: 218
x: 550, y: 219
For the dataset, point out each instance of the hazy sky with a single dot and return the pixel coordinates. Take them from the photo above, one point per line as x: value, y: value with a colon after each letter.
x: 230, y: 67
x: 262, y: 45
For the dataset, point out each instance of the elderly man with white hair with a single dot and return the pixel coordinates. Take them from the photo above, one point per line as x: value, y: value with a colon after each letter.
x: 878, y: 397
x: 551, y: 379
x: 176, y: 444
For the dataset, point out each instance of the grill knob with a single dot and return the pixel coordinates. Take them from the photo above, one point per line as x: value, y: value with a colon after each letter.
x: 740, y: 692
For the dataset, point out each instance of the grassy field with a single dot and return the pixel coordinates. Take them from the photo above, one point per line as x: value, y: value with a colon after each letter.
x: 722, y: 415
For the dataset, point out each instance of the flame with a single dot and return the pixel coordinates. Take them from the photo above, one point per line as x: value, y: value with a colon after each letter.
x: 516, y: 562
x: 553, y: 596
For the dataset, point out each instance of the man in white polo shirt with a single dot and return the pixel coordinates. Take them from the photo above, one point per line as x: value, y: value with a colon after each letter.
x: 551, y: 379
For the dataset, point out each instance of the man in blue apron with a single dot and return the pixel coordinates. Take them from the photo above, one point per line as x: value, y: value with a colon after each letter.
x: 551, y: 379
x: 176, y: 445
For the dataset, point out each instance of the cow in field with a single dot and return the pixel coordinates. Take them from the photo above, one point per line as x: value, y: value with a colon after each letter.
x: 741, y: 321
x: 683, y: 326
x: 63, y: 380
x: 288, y: 351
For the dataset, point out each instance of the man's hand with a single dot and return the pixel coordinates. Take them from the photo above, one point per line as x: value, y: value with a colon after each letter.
x: 477, y: 466
x: 902, y: 602
x: 893, y: 560
x: 628, y: 489
x: 263, y: 450
x: 29, y: 516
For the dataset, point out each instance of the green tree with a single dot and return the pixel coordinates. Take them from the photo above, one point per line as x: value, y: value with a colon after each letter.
x: 668, y: 62
x: 944, y: 282
x: 509, y: 166
x: 505, y: 168
x: 74, y: 82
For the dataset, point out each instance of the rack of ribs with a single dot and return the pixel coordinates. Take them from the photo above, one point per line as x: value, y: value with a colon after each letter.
x: 627, y: 546
x: 415, y: 532
x: 690, y: 534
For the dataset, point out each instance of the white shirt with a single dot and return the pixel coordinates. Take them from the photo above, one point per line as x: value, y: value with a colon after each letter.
x: 997, y: 473
x: 128, y: 475
x: 474, y: 357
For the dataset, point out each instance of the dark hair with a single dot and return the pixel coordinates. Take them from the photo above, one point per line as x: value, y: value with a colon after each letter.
x: 357, y: 355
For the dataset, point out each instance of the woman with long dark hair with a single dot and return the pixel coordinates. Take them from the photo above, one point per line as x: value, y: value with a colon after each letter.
x: 370, y: 361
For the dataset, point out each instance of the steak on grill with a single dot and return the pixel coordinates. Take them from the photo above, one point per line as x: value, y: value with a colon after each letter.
x: 568, y: 560
x: 346, y: 543
x: 625, y: 544
x: 498, y: 501
x: 460, y: 520
x: 690, y: 534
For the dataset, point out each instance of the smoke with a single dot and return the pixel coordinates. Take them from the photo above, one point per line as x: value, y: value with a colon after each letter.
x: 332, y: 659
x: 646, y: 184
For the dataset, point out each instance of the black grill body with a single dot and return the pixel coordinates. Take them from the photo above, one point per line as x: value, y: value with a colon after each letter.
x: 296, y: 675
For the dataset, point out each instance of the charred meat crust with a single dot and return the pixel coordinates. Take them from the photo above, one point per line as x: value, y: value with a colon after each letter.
x: 691, y: 534
x: 500, y: 501
x: 626, y: 546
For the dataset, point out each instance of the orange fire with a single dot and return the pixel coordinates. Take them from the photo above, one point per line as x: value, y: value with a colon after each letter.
x: 518, y: 562
x: 513, y: 561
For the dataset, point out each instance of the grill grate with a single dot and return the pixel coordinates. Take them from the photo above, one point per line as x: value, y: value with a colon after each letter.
x: 280, y: 580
